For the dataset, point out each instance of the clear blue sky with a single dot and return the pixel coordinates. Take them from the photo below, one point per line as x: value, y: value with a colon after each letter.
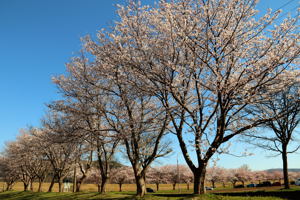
x: 37, y: 37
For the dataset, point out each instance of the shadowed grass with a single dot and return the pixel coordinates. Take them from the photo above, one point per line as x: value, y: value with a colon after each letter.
x: 290, y: 194
x: 16, y: 195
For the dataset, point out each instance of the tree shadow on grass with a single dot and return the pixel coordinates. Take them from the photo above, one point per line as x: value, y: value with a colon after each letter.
x: 16, y: 195
x: 286, y: 194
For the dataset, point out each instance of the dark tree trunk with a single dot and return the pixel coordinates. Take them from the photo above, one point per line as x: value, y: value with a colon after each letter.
x: 120, y: 187
x: 51, y: 184
x: 213, y: 184
x: 188, y: 186
x: 9, y: 186
x: 25, y: 186
x: 174, y: 186
x: 285, y: 167
x: 199, y: 179
x: 233, y: 183
x: 104, y: 180
x: 140, y: 185
x: 78, y: 185
x: 157, y: 186
x: 75, y: 185
x: 40, y: 186
x: 79, y: 182
x: 99, y: 187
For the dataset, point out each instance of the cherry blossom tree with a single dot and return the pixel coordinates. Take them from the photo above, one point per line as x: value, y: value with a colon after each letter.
x: 158, y: 175
x: 8, y: 172
x: 141, y: 123
x: 186, y: 176
x: 122, y: 175
x: 260, y: 176
x: 85, y: 102
x: 276, y: 175
x: 207, y: 61
x: 243, y: 174
x: 231, y: 177
x: 215, y: 174
x: 60, y: 153
x: 19, y: 152
x: 121, y: 113
x: 175, y: 174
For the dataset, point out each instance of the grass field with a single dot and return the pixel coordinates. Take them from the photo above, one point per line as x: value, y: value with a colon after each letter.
x: 93, y: 188
x: 267, y: 193
x: 17, y: 195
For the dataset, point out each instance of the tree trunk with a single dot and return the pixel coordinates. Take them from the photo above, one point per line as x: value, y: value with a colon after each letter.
x: 31, y: 185
x: 140, y: 185
x: 99, y: 187
x: 79, y: 182
x: 174, y: 186
x: 188, y: 186
x: 104, y: 180
x: 285, y: 167
x: 233, y: 183
x: 40, y: 186
x: 25, y: 186
x: 51, y: 184
x: 213, y: 184
x: 199, y: 179
x: 9, y: 186
x: 157, y: 186
x: 120, y: 187
x: 75, y: 181
x: 60, y: 185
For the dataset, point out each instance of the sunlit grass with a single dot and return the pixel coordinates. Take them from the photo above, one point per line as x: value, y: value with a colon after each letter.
x: 93, y: 187
x: 165, y: 193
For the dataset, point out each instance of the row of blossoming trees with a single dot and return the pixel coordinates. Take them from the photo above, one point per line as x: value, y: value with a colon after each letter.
x: 28, y: 167
x: 205, y: 71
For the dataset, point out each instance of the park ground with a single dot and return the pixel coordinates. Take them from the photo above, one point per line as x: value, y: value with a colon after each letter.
x: 268, y: 193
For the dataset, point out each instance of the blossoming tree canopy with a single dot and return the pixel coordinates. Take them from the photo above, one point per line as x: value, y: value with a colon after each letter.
x: 207, y: 61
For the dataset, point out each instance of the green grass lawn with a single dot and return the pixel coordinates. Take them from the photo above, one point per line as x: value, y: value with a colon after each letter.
x: 293, y: 194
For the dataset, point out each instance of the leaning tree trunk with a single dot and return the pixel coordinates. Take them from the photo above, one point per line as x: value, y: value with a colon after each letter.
x: 79, y: 182
x: 9, y: 186
x: 199, y: 179
x: 51, y: 184
x: 285, y: 167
